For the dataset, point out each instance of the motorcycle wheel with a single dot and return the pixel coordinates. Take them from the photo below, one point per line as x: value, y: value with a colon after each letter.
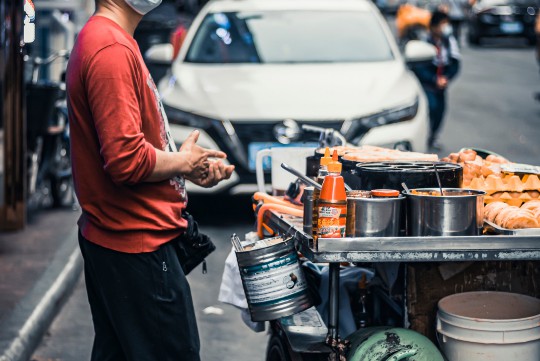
x: 62, y: 186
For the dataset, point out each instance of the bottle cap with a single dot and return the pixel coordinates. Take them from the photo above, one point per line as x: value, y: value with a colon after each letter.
x: 385, y: 193
x: 334, y: 167
x: 326, y: 159
x: 335, y: 157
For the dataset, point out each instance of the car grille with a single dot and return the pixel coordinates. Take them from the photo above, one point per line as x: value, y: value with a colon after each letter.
x: 264, y: 131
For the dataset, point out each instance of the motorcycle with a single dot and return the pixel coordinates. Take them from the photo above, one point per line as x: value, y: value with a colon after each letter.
x: 48, y: 148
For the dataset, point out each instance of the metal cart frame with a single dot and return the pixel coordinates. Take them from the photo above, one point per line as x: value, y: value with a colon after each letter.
x: 386, y: 249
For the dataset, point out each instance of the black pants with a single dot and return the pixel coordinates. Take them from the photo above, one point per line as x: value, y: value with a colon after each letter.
x: 141, y: 305
x: 437, y: 106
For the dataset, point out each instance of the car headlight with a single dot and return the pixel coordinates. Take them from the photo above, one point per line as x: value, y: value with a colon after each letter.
x: 355, y: 129
x: 390, y: 116
x: 180, y: 117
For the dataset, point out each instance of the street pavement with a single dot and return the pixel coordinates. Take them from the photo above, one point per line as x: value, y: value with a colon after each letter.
x: 490, y: 106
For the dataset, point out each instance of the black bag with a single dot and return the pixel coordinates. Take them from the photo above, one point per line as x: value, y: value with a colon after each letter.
x: 192, y: 246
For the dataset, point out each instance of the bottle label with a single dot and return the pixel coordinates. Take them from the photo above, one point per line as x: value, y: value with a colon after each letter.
x: 331, y: 221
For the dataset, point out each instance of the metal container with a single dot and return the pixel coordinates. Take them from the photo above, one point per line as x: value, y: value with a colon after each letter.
x: 273, y: 281
x: 374, y: 217
x: 417, y: 174
x: 458, y: 213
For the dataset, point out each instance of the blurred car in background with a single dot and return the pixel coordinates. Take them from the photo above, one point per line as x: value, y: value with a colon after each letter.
x: 389, y: 6
x: 250, y: 73
x: 503, y: 18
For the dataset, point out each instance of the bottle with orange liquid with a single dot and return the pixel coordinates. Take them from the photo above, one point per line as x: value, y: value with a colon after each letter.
x: 332, y: 203
x: 323, y: 172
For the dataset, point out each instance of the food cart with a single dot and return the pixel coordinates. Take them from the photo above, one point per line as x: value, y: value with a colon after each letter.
x: 306, y: 339
x: 306, y: 336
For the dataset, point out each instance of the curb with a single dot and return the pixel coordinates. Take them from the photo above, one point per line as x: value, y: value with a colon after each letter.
x: 22, y: 331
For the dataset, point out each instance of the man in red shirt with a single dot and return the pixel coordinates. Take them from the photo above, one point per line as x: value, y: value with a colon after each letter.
x: 129, y: 180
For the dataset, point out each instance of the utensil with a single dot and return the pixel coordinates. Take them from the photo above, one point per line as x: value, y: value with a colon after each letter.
x: 405, y: 187
x: 438, y: 178
x: 236, y: 243
x: 303, y: 178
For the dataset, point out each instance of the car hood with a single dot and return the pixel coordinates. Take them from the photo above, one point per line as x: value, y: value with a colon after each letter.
x: 302, y: 92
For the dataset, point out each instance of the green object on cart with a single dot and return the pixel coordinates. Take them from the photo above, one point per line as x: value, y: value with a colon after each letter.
x: 391, y: 344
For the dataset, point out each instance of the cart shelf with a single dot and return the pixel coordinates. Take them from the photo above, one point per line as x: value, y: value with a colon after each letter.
x: 407, y: 249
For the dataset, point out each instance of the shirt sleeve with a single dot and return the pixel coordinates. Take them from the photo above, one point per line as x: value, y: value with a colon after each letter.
x: 113, y: 92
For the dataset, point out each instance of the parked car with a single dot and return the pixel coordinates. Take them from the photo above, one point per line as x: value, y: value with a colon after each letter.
x: 249, y: 73
x: 503, y: 18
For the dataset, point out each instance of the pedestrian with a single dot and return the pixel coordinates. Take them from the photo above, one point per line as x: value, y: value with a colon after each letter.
x: 457, y: 13
x: 130, y: 183
x: 436, y: 75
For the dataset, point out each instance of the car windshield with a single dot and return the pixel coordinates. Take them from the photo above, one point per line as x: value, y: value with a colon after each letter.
x: 289, y: 37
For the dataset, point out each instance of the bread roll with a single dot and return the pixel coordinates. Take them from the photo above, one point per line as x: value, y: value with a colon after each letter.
x: 492, y: 210
x: 521, y: 219
x: 531, y: 204
x: 504, y: 214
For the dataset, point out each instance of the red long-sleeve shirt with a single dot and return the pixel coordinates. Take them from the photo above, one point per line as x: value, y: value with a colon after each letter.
x: 116, y: 122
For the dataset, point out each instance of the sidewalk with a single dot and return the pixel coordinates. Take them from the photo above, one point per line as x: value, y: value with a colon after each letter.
x: 39, y: 267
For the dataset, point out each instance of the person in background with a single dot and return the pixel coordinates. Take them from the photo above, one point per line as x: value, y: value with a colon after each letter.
x: 457, y: 11
x: 130, y: 182
x: 436, y: 75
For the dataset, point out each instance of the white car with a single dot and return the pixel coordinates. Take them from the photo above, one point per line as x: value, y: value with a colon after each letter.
x: 250, y: 72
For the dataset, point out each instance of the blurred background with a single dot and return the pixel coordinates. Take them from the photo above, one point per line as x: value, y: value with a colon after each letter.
x: 249, y: 74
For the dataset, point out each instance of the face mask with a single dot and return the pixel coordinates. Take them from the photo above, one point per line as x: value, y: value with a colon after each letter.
x: 143, y: 6
x: 447, y: 30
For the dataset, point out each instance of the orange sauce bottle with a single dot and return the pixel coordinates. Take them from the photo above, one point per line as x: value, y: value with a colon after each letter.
x: 332, y: 204
x: 323, y: 171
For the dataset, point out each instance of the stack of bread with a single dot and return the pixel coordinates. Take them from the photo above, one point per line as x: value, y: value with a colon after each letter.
x: 486, y: 175
x: 474, y: 166
x: 512, y: 217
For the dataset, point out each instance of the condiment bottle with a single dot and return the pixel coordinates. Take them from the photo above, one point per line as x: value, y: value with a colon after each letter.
x: 323, y: 172
x: 332, y: 204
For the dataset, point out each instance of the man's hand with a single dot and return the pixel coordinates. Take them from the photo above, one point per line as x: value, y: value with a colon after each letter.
x: 442, y: 82
x: 196, y: 158
x: 217, y: 171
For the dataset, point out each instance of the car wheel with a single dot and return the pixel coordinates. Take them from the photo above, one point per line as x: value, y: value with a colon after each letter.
x: 277, y: 350
x: 473, y: 39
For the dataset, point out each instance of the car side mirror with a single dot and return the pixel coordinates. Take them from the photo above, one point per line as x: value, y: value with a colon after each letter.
x: 160, y: 53
x: 417, y: 51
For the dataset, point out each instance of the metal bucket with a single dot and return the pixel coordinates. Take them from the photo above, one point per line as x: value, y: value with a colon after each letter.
x: 373, y: 217
x: 273, y: 281
x: 459, y: 213
x: 494, y: 326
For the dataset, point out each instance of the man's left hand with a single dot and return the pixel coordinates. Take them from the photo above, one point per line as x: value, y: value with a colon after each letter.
x: 217, y: 171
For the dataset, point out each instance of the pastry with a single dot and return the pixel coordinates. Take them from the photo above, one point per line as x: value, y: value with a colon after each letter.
x: 503, y: 215
x: 521, y: 219
x: 492, y: 210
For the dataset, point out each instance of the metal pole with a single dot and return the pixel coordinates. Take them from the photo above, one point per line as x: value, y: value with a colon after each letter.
x: 333, y: 313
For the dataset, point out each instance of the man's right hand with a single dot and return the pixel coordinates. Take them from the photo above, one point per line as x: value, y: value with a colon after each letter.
x: 197, y: 157
x: 442, y: 82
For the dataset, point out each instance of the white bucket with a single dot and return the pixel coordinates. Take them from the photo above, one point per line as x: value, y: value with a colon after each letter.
x: 477, y: 326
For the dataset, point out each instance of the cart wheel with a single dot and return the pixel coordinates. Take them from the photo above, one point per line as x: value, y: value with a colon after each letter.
x: 277, y: 350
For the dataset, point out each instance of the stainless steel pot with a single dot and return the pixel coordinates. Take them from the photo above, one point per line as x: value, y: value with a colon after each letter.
x: 459, y: 212
x: 373, y: 217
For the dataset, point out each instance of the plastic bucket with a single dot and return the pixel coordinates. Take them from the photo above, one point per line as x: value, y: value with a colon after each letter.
x: 489, y: 326
x: 273, y: 281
